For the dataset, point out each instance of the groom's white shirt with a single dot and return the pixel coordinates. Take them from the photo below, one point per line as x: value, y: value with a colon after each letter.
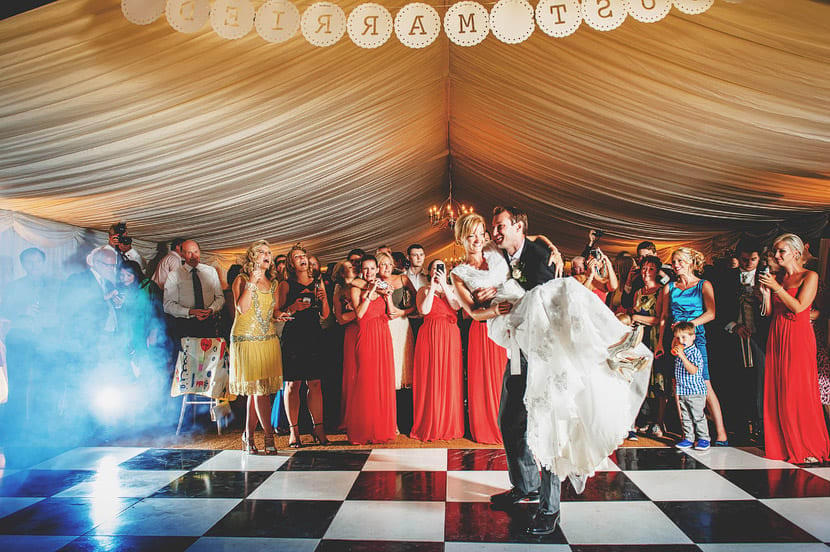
x: 518, y: 254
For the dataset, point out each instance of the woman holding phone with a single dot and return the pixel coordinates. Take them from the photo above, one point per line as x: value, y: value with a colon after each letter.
x: 303, y: 298
x: 438, y: 379
x: 370, y: 407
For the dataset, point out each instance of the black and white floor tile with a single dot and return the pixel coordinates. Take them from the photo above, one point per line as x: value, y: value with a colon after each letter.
x: 109, y: 498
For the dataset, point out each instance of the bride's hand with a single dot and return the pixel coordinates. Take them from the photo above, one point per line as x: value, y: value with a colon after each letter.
x: 503, y: 308
x: 482, y: 295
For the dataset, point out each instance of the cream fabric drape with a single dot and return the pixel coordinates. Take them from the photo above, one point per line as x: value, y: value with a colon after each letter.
x: 686, y: 130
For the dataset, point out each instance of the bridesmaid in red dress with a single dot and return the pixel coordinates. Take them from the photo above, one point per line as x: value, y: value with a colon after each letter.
x: 370, y: 407
x: 794, y: 427
x: 438, y: 379
x: 485, y: 359
x: 344, y: 274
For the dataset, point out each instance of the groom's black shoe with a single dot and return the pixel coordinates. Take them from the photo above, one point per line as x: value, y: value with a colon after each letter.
x: 511, y: 497
x: 543, y: 524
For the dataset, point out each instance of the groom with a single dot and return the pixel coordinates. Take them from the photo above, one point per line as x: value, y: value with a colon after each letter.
x: 529, y: 266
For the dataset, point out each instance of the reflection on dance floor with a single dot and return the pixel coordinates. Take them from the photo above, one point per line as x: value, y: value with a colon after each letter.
x: 119, y: 498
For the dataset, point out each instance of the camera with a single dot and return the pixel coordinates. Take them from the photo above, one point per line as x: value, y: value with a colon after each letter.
x: 125, y: 240
x: 765, y: 270
x: 382, y: 285
x: 595, y: 253
x: 439, y: 267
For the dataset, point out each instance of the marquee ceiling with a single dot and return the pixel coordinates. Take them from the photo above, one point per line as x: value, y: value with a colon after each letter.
x: 676, y: 131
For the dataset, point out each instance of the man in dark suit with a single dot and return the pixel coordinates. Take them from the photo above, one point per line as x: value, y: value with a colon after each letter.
x: 744, y: 335
x: 529, y: 266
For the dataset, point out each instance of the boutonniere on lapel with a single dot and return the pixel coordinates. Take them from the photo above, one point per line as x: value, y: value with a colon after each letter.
x: 517, y: 271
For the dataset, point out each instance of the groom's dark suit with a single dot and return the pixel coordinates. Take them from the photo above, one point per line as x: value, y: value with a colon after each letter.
x: 524, y: 474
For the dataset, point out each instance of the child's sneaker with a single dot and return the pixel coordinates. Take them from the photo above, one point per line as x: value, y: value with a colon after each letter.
x: 702, y: 444
x: 632, y: 436
x: 684, y: 444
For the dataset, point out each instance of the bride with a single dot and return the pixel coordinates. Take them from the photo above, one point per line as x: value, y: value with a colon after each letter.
x: 587, y: 373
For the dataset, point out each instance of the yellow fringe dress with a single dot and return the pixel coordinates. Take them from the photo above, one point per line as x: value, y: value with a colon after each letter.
x: 256, y: 357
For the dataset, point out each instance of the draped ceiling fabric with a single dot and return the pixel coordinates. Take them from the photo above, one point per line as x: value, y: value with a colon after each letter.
x: 684, y: 131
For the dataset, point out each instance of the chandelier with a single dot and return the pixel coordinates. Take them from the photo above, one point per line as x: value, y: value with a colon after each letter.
x: 444, y: 215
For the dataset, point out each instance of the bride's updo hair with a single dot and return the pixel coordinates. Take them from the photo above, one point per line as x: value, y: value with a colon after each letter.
x: 693, y: 257
x: 465, y: 225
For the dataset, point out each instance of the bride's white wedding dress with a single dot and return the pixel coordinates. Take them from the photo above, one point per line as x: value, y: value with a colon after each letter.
x: 579, y: 405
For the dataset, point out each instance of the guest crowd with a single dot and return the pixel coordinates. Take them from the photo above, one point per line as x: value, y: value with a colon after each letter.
x: 382, y: 342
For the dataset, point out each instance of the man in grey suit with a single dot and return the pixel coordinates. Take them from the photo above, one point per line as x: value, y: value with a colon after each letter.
x: 529, y: 266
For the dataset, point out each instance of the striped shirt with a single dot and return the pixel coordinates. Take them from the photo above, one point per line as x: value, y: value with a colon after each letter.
x: 690, y: 384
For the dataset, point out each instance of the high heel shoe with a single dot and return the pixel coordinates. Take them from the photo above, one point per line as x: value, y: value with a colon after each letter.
x: 324, y: 440
x: 631, y: 340
x: 294, y: 444
x: 269, y: 445
x: 248, y: 446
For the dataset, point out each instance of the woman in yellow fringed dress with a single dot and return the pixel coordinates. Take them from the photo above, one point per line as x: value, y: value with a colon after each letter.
x: 256, y: 358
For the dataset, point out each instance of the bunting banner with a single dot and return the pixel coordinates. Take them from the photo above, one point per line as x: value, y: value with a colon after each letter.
x: 415, y: 25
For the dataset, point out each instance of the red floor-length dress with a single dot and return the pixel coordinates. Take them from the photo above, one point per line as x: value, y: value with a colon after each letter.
x: 486, y: 363
x: 349, y: 367
x: 370, y: 408
x: 438, y: 379
x: 793, y: 421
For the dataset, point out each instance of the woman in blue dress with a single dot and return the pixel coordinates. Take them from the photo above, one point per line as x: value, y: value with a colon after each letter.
x: 691, y: 299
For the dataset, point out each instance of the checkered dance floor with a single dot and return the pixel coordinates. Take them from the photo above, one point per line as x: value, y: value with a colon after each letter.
x: 110, y: 498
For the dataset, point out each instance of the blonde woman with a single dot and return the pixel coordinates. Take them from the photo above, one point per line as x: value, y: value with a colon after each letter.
x: 401, y: 304
x: 256, y: 358
x: 691, y: 299
x: 794, y: 428
x: 485, y: 359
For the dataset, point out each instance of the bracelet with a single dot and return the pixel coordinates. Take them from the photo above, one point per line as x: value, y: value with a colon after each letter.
x: 779, y: 289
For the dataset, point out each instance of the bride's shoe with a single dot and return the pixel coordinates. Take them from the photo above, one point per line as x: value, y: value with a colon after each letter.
x: 629, y: 341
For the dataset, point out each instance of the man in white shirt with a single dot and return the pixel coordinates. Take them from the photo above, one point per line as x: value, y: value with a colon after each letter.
x: 193, y: 296
x: 170, y: 262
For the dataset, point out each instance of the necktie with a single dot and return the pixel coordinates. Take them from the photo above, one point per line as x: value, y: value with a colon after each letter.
x: 199, y: 299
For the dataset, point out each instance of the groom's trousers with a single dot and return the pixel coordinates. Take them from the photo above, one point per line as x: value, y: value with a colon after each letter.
x: 521, y: 466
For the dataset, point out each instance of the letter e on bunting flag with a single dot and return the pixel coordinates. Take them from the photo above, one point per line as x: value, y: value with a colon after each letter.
x: 417, y: 25
x: 142, y: 12
x: 604, y: 15
x: 277, y: 20
x: 232, y: 19
x: 512, y: 21
x: 369, y: 25
x: 648, y: 11
x: 187, y: 16
x: 558, y: 18
x: 323, y: 24
x: 467, y: 23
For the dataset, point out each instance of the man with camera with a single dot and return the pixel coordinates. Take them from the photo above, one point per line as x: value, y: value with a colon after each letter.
x: 122, y: 244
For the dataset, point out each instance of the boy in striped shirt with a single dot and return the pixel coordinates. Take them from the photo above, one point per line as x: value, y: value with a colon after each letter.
x: 691, y: 387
